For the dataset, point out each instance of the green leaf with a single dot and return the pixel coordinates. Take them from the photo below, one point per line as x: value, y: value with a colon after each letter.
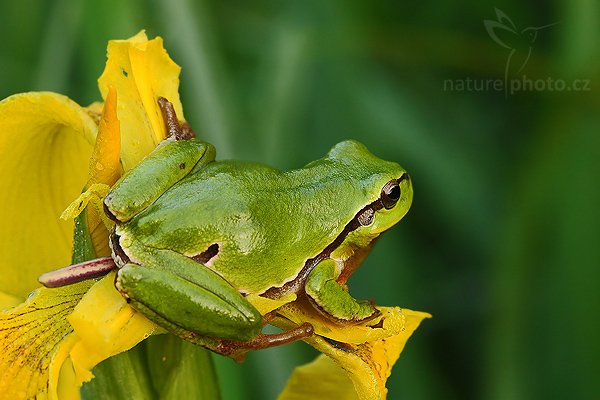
x: 123, y: 376
x: 180, y: 370
x: 83, y: 248
x: 163, y: 367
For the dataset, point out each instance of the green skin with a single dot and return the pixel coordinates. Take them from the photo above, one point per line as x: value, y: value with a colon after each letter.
x: 194, y: 236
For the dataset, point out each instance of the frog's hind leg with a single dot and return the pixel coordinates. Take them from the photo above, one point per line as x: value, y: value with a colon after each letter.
x: 189, y: 302
x: 196, y: 304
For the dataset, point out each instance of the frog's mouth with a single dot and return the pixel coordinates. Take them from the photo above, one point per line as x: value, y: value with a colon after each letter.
x: 118, y: 254
x: 364, y: 217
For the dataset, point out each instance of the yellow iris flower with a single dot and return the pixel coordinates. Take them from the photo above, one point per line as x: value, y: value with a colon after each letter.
x: 51, y: 148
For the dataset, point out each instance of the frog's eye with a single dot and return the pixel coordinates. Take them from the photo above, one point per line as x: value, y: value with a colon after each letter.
x: 390, y: 194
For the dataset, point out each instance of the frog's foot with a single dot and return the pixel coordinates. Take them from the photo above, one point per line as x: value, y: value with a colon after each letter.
x: 237, y: 350
x: 333, y: 300
x: 175, y: 129
x: 187, y: 131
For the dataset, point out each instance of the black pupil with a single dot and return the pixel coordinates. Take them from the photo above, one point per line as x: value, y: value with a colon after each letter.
x: 394, y: 193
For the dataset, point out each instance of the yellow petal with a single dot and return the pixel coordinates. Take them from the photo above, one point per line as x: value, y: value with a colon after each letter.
x: 372, y: 363
x: 58, y: 326
x: 141, y: 71
x: 8, y: 301
x: 104, y: 169
x: 104, y: 325
x: 35, y: 339
x: 105, y: 164
x: 390, y: 322
x: 265, y: 305
x: 68, y: 389
x: 365, y: 353
x: 320, y: 379
x: 45, y: 144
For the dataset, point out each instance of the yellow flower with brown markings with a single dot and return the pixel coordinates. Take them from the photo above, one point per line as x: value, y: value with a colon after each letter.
x: 50, y: 149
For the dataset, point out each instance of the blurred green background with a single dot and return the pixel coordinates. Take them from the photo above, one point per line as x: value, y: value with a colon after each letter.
x: 502, y: 243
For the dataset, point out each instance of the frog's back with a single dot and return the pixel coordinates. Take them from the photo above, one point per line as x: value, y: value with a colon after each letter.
x: 265, y: 222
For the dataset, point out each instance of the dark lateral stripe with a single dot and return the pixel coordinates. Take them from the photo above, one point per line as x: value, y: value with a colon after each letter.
x: 292, y: 286
x: 77, y: 272
x: 355, y: 223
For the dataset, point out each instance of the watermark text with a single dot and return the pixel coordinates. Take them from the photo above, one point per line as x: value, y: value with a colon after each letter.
x: 512, y: 86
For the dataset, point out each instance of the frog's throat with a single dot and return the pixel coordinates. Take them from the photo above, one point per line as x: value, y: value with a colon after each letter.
x: 362, y: 218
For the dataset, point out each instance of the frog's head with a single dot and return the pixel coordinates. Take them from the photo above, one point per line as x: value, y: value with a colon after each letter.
x: 384, y: 188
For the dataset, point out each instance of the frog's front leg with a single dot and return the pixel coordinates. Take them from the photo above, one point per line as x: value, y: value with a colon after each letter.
x: 174, y: 158
x: 331, y: 298
x: 196, y: 304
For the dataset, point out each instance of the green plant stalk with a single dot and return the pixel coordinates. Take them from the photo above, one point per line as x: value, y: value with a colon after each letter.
x: 162, y: 367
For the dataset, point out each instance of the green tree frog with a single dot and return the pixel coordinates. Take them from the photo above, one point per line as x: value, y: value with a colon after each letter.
x: 194, y: 236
